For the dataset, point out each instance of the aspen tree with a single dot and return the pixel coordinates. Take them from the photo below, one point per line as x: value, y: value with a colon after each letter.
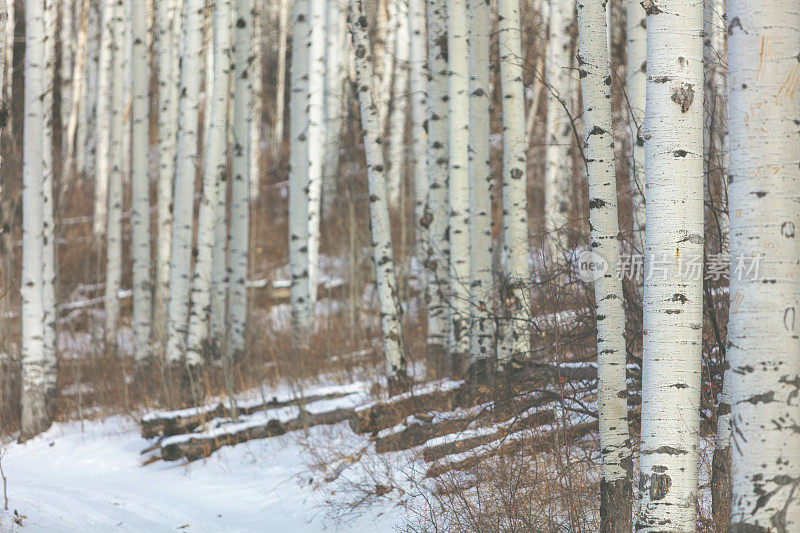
x: 378, y: 207
x: 397, y: 107
x: 186, y: 166
x: 480, y: 192
x: 140, y: 197
x: 673, y: 292
x: 636, y: 83
x: 76, y: 120
x: 49, y: 221
x: 214, y: 173
x: 3, y: 78
x: 84, y: 140
x: 169, y: 20
x: 103, y: 119
x: 298, y: 178
x: 515, y: 340
x: 68, y: 58
x: 436, y: 217
x: 280, y: 94
x: 116, y: 179
x: 238, y: 229
x: 316, y: 134
x: 558, y: 169
x: 254, y: 140
x: 458, y: 173
x: 764, y: 110
x: 334, y: 93
x: 615, y: 450
x: 35, y: 415
x: 418, y: 72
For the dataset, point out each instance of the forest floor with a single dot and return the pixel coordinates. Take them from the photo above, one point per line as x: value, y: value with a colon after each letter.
x: 90, y: 477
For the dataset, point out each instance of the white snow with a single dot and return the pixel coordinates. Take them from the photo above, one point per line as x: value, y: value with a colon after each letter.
x: 92, y: 480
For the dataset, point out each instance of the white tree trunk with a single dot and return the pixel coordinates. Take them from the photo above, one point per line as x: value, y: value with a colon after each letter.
x: 481, y: 291
x: 334, y: 93
x: 49, y: 222
x: 436, y: 213
x: 673, y: 295
x: 84, y: 140
x: 316, y: 138
x: 615, y: 451
x: 103, y: 119
x: 3, y: 83
x: 117, y: 177
x: 238, y: 230
x: 77, y: 119
x: 258, y: 103
x: 298, y: 177
x: 185, y: 173
x: 418, y: 87
x: 515, y: 339
x: 68, y: 57
x: 140, y: 197
x: 170, y: 22
x: 558, y: 130
x: 458, y: 174
x: 214, y: 175
x: 398, y: 105
x: 378, y: 207
x: 763, y: 47
x: 636, y: 83
x: 280, y: 94
x: 35, y: 416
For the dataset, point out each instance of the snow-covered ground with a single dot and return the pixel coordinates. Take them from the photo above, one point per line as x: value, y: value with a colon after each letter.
x: 91, y: 479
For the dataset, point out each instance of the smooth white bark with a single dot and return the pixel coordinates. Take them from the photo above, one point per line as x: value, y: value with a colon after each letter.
x: 673, y: 295
x: 298, y: 177
x: 615, y: 450
x: 35, y: 415
x: 480, y: 186
x: 458, y: 172
x: 103, y: 119
x: 214, y: 174
x: 254, y: 140
x: 168, y: 44
x: 398, y: 104
x: 436, y: 213
x: 763, y: 47
x: 116, y: 179
x: 280, y: 91
x: 558, y: 129
x: 636, y: 83
x: 418, y: 84
x: 334, y: 94
x: 515, y: 339
x: 185, y: 171
x: 378, y: 206
x: 68, y: 57
x: 238, y: 231
x: 140, y: 197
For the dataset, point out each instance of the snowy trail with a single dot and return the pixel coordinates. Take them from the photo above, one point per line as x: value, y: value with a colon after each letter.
x: 92, y: 481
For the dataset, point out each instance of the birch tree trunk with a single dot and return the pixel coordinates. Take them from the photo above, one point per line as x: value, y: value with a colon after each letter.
x: 615, y: 450
x: 480, y: 193
x: 3, y: 83
x: 115, y: 184
x: 35, y: 415
x: 280, y: 95
x: 334, y: 84
x: 140, y: 197
x: 77, y: 107
x: 721, y: 460
x: 378, y: 207
x: 673, y: 296
x: 418, y: 72
x: 170, y: 22
x: 515, y: 339
x: 85, y: 142
x: 458, y: 172
x: 238, y: 231
x: 186, y: 166
x: 398, y: 105
x: 254, y: 140
x: 436, y: 212
x: 558, y: 168
x: 636, y: 83
x: 68, y: 56
x: 103, y: 120
x: 48, y: 227
x: 298, y: 178
x: 763, y: 47
x: 214, y: 175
